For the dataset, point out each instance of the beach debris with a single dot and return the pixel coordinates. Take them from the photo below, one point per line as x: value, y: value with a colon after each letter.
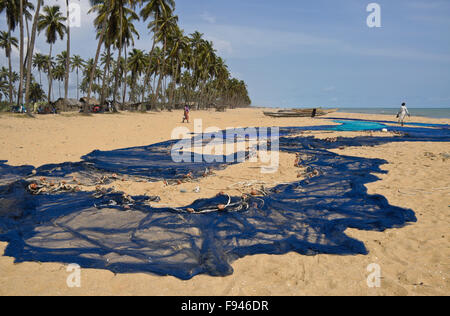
x: 444, y: 156
x: 259, y: 192
x: 197, y: 190
x: 45, y: 187
x: 207, y: 172
x: 183, y: 191
x: 229, y: 207
x: 430, y: 155
x: 331, y: 139
x: 384, y: 130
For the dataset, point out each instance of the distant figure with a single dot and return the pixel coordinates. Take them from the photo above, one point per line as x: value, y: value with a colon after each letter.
x: 314, y: 112
x: 186, y: 113
x: 401, y: 115
x: 36, y: 108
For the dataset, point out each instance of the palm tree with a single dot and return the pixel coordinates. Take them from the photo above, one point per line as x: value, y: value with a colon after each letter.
x: 163, y: 27
x: 40, y: 62
x: 31, y: 50
x: 124, y: 39
x: 77, y: 63
x: 179, y: 51
x: 137, y: 64
x: 36, y: 92
x: 105, y: 17
x: 66, y: 79
x: 58, y: 73
x: 52, y: 22
x: 155, y: 9
x: 3, y: 88
x: 21, y: 48
x: 61, y: 60
x: 7, y: 42
x: 11, y: 9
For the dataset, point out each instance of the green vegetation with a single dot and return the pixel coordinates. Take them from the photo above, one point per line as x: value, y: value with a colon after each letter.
x: 180, y: 68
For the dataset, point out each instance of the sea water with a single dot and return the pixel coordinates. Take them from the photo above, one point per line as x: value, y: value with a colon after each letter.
x: 424, y: 112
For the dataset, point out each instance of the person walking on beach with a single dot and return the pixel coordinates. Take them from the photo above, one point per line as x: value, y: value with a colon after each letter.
x: 186, y: 113
x: 401, y: 115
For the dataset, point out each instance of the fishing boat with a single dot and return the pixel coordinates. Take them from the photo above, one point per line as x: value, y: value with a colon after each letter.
x: 300, y: 112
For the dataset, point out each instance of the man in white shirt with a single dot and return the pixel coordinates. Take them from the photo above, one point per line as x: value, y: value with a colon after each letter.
x: 401, y: 115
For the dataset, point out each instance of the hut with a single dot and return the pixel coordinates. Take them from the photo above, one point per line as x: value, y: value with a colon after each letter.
x: 92, y: 101
x: 66, y: 105
x: 88, y: 104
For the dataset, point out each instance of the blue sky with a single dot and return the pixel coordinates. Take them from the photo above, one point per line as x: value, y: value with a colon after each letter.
x: 315, y: 53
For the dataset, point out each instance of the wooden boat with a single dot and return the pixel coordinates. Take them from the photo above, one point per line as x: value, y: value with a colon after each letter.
x: 300, y: 112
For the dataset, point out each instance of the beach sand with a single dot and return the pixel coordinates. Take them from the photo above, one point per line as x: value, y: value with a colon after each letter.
x: 414, y: 260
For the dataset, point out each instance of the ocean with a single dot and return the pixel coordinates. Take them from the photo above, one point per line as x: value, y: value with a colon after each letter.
x: 425, y: 112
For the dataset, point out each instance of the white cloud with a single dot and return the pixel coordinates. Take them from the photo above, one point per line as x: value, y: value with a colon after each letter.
x: 224, y: 47
x: 329, y: 89
x: 248, y: 42
x: 208, y: 17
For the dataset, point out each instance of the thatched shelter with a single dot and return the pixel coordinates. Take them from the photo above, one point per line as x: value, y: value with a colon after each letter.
x: 92, y: 101
x: 65, y: 105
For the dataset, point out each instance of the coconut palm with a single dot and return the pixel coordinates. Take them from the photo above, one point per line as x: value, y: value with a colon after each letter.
x: 66, y: 78
x: 137, y: 63
x: 31, y: 50
x: 125, y: 39
x: 3, y: 88
x: 7, y: 42
x: 163, y: 27
x: 77, y: 63
x: 58, y: 73
x: 155, y: 9
x: 107, y: 16
x: 40, y: 63
x: 179, y: 51
x: 52, y: 22
x: 36, y: 92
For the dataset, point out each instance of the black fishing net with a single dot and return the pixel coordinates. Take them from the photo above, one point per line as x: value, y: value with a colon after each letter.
x: 44, y: 216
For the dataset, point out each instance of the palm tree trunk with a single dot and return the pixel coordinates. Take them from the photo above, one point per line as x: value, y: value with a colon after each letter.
x: 97, y: 55
x: 11, y: 100
x: 78, y: 86
x: 172, y: 92
x: 49, y: 70
x: 22, y: 44
x: 117, y: 78
x: 66, y: 82
x: 125, y: 75
x: 151, y: 55
x: 116, y: 83
x: 30, y: 59
x: 105, y: 73
x: 161, y: 76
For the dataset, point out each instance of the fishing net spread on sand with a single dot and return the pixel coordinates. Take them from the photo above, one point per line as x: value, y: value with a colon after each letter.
x: 111, y: 230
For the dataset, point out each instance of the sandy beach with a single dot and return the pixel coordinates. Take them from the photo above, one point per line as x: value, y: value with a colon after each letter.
x: 414, y: 260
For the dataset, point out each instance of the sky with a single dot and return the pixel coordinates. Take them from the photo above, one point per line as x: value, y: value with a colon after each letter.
x: 295, y: 53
